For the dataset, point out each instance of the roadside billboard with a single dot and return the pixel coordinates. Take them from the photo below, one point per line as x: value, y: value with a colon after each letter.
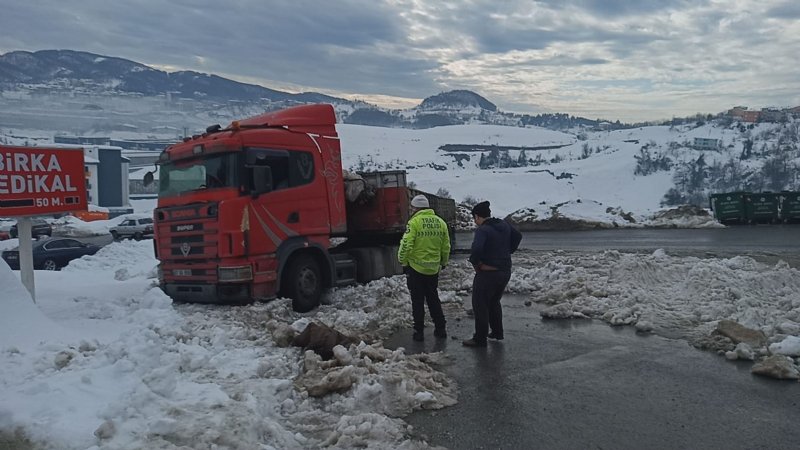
x: 38, y: 181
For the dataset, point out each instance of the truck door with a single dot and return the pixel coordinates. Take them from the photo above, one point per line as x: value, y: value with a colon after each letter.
x: 296, y: 204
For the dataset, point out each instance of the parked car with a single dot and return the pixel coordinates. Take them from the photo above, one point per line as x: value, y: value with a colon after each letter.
x: 136, y: 228
x: 39, y: 227
x: 52, y: 254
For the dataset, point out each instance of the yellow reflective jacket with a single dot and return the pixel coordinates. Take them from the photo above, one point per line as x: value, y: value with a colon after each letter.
x: 426, y: 243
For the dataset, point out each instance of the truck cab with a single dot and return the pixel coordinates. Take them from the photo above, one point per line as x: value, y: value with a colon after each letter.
x: 249, y: 212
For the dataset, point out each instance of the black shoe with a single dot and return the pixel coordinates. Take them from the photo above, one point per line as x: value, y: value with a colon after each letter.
x: 440, y: 333
x: 473, y: 343
x: 496, y: 336
x: 418, y: 336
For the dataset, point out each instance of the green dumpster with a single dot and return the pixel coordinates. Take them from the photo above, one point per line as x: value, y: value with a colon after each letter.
x: 728, y: 207
x: 790, y: 206
x: 762, y: 207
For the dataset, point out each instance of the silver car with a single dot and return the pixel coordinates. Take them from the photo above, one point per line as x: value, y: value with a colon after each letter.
x: 133, y: 228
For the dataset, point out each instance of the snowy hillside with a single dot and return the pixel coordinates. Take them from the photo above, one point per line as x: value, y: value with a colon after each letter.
x: 588, y: 171
x: 607, y: 178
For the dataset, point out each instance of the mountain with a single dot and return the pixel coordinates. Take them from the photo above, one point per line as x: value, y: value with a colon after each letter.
x: 458, y: 99
x: 53, y: 82
x: 68, y: 68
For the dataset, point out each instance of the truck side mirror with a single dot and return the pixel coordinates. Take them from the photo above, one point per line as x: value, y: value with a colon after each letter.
x: 262, y: 180
x: 148, y: 178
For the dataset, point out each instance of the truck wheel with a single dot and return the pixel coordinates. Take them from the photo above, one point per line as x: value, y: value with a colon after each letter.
x: 302, y: 283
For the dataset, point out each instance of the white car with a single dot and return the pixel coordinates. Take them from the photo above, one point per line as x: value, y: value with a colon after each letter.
x: 133, y: 228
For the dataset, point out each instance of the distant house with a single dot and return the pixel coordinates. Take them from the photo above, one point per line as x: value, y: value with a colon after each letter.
x: 743, y: 114
x: 751, y: 116
x: 706, y: 144
x: 737, y: 111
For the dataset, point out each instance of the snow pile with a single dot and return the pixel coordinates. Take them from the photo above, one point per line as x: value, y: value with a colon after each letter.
x: 381, y: 382
x: 9, y: 244
x: 573, y: 215
x: 104, y: 360
x: 6, y: 224
x: 683, y: 217
x: 138, y: 257
x: 789, y: 347
x: 589, y: 214
x: 682, y: 297
x: 22, y: 324
x: 74, y: 227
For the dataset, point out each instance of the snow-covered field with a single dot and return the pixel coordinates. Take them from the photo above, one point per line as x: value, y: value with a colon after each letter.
x: 104, y: 360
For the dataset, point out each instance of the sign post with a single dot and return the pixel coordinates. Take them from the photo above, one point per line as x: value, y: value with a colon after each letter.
x: 26, y: 255
x: 37, y: 181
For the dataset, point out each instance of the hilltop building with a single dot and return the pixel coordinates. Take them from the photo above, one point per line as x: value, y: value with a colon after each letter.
x: 706, y: 144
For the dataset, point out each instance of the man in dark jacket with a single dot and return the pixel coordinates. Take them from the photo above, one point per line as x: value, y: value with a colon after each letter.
x: 495, y: 240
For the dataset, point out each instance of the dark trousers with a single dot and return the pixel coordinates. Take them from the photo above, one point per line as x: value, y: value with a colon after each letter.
x: 487, y: 290
x: 425, y: 289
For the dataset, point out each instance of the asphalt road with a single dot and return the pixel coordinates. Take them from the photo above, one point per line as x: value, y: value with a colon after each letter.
x: 748, y: 238
x: 581, y: 384
x: 765, y: 243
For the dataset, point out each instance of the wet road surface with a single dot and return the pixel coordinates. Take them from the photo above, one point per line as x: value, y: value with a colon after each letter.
x: 581, y: 384
x: 776, y: 238
x: 765, y: 243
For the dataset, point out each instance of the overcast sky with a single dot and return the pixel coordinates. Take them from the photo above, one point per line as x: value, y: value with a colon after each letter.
x: 617, y: 59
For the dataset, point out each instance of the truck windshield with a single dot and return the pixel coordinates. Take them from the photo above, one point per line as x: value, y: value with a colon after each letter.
x: 212, y: 172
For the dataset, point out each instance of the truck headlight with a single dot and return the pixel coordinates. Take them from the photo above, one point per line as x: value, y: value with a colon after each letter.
x: 238, y: 273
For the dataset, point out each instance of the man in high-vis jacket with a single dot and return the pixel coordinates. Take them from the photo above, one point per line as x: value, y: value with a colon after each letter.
x: 424, y: 251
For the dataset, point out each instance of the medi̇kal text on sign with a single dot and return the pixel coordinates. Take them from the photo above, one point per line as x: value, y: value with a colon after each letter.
x: 35, y: 181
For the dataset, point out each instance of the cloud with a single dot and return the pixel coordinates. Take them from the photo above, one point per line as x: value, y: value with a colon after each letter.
x: 616, y: 59
x: 785, y: 11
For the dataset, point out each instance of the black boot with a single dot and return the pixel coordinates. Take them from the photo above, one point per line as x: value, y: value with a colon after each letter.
x: 473, y: 343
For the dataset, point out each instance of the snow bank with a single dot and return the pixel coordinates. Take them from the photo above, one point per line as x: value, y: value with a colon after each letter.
x: 73, y: 227
x: 681, y: 297
x: 588, y: 214
x: 22, y: 323
x: 131, y: 370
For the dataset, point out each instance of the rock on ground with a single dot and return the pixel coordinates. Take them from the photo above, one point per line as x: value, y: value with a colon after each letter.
x: 777, y: 366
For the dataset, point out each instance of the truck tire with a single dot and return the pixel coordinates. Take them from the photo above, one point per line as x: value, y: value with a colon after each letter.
x: 302, y: 282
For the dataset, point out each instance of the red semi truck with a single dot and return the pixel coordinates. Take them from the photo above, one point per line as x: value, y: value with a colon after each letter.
x: 263, y: 208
